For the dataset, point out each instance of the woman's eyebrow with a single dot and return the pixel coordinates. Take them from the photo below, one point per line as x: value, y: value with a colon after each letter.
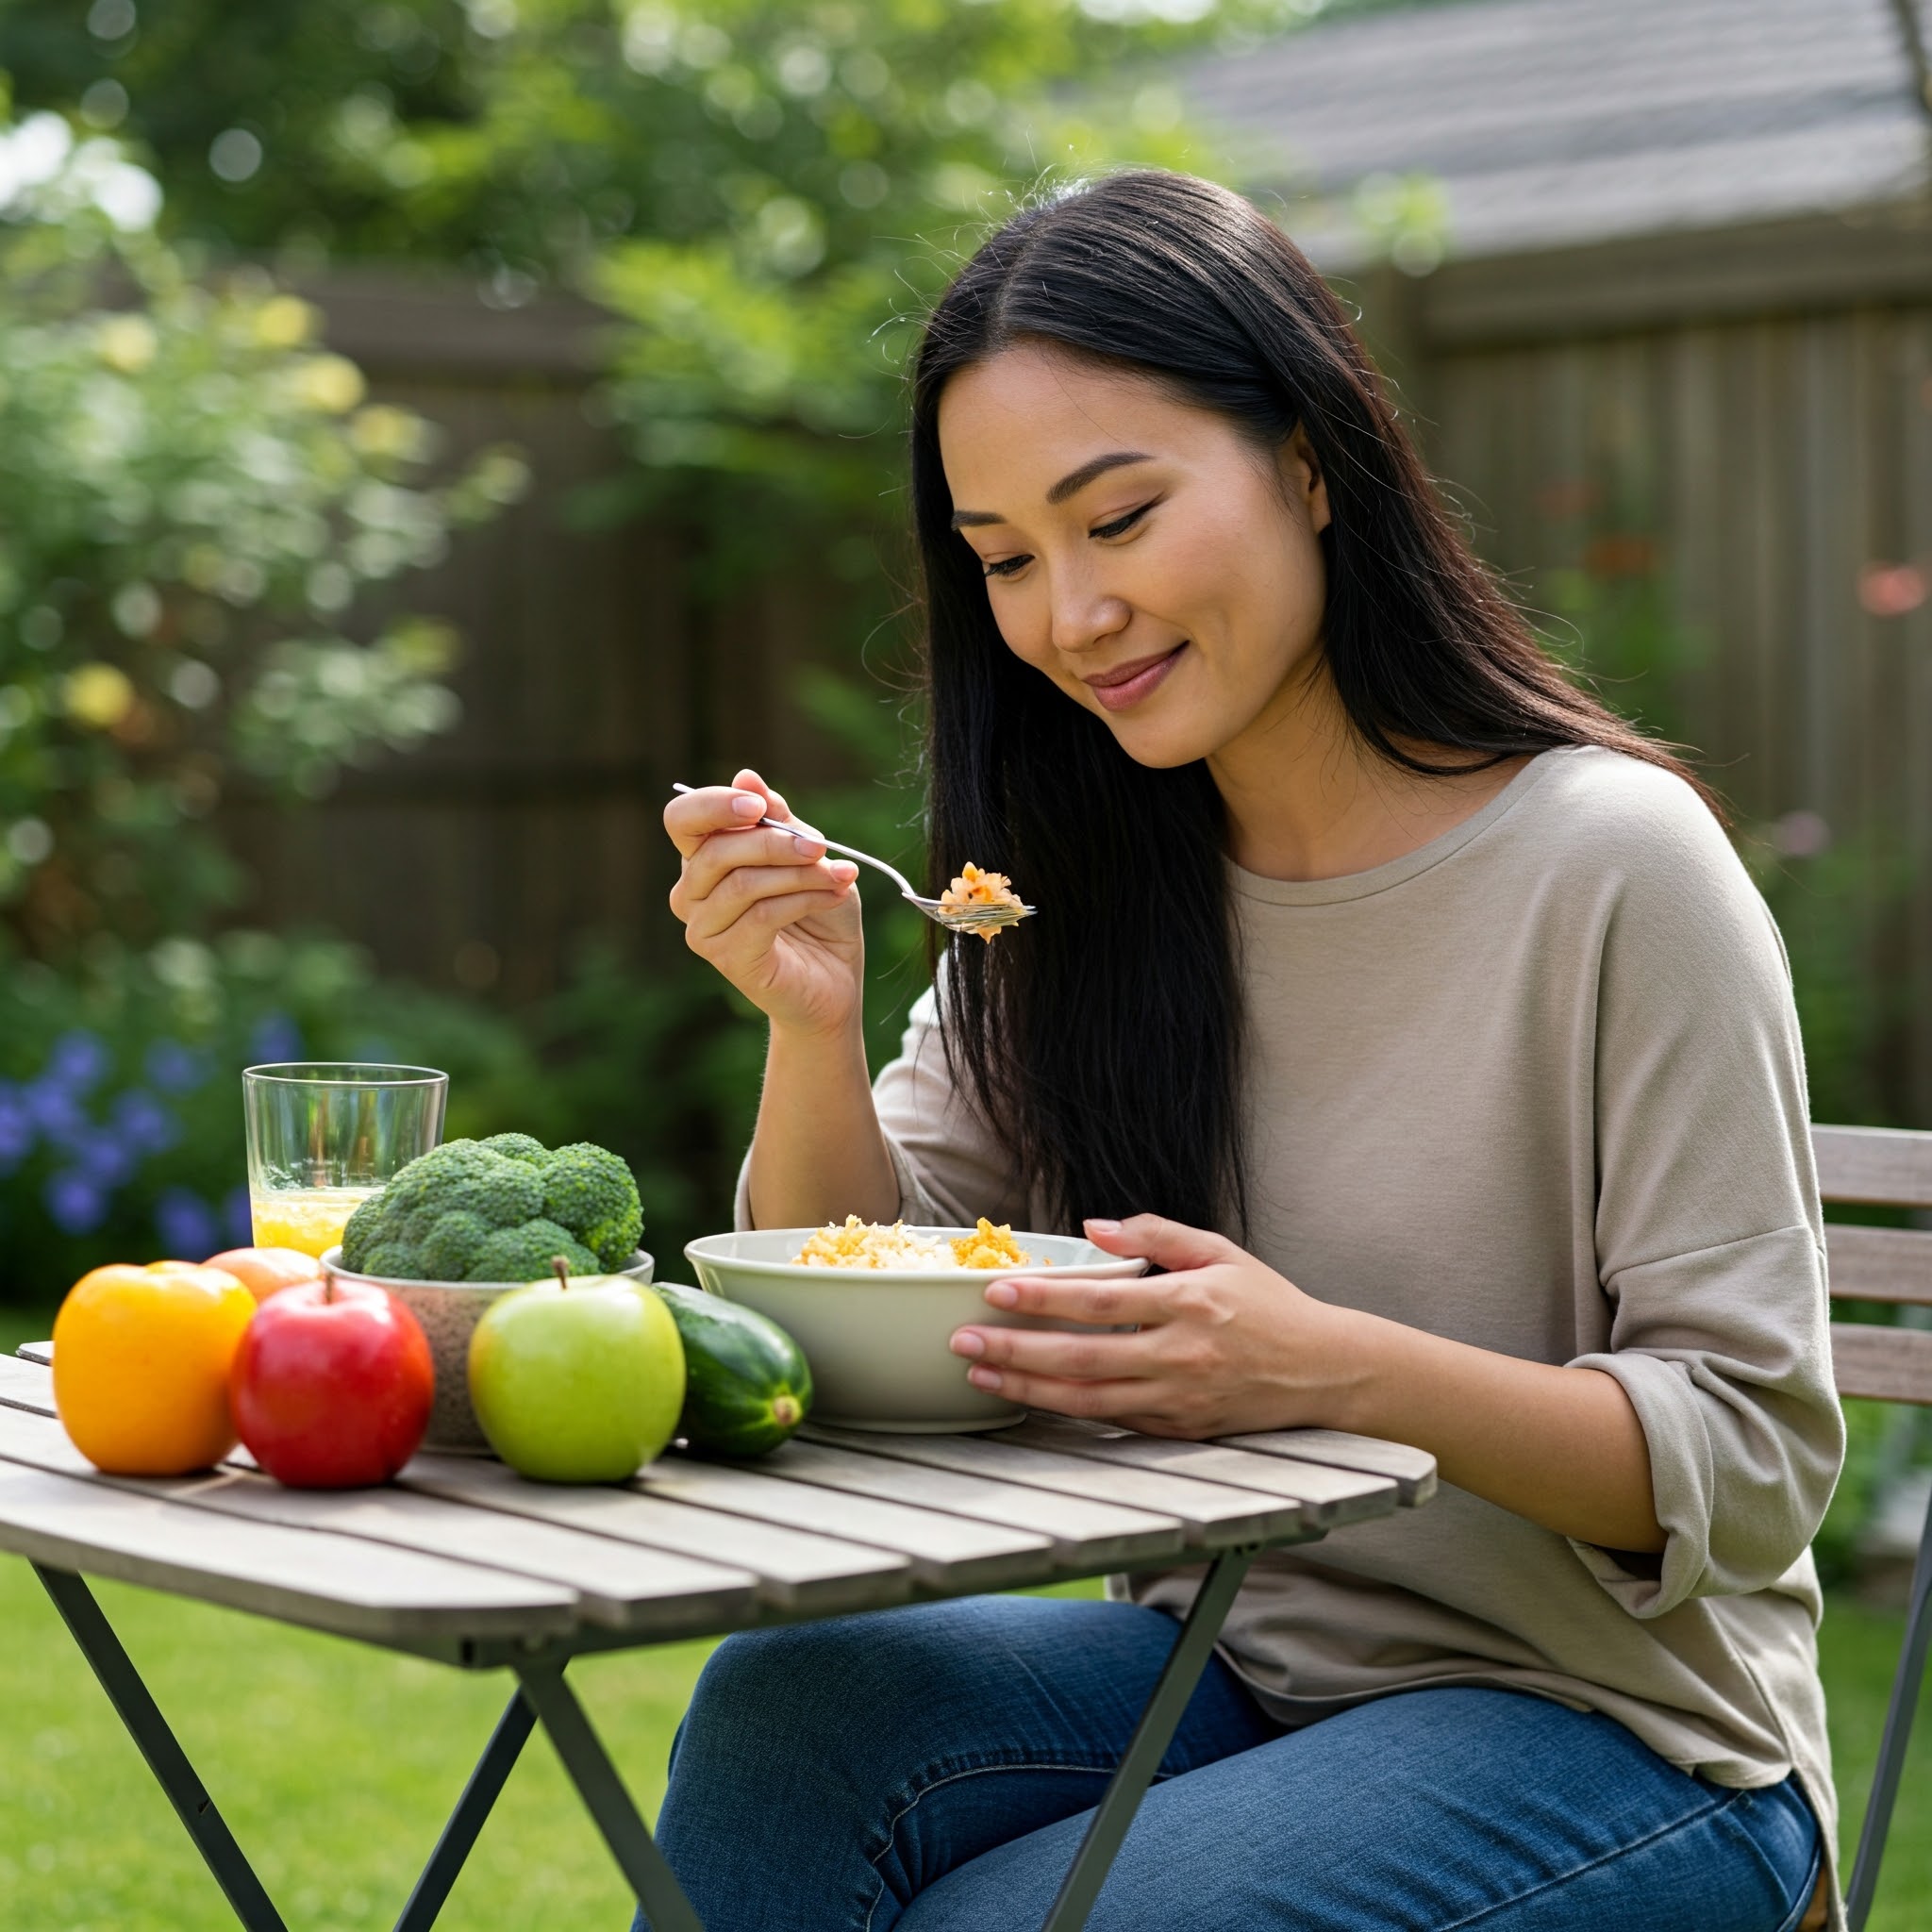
x: 1073, y: 481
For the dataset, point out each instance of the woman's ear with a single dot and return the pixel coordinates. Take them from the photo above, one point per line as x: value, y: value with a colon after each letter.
x: 1303, y: 481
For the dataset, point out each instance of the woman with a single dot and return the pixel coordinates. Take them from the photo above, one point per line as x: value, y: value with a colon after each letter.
x: 1412, y: 1013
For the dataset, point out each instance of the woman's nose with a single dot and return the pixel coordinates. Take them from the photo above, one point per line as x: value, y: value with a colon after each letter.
x: 1084, y: 614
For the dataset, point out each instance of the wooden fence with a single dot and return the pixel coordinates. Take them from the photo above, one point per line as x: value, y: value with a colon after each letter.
x: 1745, y: 418
x: 593, y: 676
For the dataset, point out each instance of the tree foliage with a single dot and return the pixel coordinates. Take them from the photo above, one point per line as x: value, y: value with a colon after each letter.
x: 764, y: 189
x: 193, y: 495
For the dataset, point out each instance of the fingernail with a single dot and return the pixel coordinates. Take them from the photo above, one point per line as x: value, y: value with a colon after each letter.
x: 746, y: 804
x: 1003, y: 1294
x: 805, y: 848
x: 965, y: 1341
x: 984, y: 1378
x: 1100, y: 1226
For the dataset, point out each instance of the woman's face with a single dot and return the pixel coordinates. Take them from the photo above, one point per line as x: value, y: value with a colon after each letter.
x: 1138, y: 550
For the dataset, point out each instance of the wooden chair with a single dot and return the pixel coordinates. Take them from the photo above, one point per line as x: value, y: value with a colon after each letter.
x: 1881, y: 1168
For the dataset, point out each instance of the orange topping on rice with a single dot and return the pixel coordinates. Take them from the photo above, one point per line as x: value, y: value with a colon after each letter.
x: 868, y: 1244
x: 989, y: 1246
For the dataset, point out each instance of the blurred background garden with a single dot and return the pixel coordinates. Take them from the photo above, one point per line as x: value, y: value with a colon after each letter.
x: 430, y: 427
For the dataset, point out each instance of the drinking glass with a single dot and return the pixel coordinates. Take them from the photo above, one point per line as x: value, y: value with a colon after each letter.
x: 325, y: 1135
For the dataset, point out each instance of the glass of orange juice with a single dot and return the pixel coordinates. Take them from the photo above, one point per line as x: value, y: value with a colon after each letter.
x: 325, y: 1135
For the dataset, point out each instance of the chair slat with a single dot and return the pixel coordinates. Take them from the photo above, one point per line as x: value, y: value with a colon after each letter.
x: 1883, y: 1364
x: 1881, y: 1167
x: 1880, y: 1264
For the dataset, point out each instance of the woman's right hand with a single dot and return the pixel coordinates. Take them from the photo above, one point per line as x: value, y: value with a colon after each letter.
x: 768, y: 909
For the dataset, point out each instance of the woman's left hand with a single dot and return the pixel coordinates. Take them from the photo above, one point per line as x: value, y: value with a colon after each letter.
x: 1222, y: 1344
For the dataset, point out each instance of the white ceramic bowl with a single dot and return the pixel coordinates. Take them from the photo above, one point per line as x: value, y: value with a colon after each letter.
x: 877, y: 1338
x: 449, y: 1311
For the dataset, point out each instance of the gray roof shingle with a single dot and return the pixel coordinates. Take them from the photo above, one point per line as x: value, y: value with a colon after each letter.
x: 1556, y: 122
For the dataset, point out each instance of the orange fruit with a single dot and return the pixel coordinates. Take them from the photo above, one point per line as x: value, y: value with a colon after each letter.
x: 264, y: 1271
x: 140, y: 1366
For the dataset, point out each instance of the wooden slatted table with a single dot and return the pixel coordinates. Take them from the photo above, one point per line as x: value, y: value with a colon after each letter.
x: 464, y: 1562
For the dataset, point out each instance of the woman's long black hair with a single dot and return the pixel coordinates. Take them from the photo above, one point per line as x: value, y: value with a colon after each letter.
x: 1103, y: 1039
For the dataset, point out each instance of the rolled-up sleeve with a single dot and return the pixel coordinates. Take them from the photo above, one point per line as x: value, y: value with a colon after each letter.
x: 1709, y: 1243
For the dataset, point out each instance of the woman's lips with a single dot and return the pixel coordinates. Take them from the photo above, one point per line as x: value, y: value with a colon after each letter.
x: 1118, y: 689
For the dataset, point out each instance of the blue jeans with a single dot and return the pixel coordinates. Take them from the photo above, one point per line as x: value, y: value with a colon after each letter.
x: 933, y: 1767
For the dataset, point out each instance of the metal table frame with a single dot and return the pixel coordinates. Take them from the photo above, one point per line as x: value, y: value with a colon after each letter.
x: 542, y: 1695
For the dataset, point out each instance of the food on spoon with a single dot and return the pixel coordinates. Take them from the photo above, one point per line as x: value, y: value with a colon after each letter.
x: 987, y: 894
x: 870, y: 1244
x: 497, y: 1210
x: 747, y: 1384
x: 577, y: 1380
x: 141, y: 1357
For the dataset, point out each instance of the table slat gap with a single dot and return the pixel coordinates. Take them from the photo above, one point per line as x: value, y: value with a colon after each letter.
x: 947, y: 1552
x: 1413, y: 1470
x: 798, y: 1572
x: 1330, y: 1497
x: 620, y: 1586
x: 1082, y: 1530
x: 1213, y: 1515
x: 349, y: 1588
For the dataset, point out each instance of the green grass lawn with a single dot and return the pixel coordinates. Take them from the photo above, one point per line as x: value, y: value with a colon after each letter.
x: 336, y: 1766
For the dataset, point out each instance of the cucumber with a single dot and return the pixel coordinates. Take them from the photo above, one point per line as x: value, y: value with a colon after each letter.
x: 747, y: 1382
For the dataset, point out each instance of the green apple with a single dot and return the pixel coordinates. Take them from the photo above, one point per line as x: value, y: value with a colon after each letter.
x: 577, y: 1380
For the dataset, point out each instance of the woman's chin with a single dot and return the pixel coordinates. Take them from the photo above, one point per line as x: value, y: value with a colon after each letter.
x: 1163, y: 743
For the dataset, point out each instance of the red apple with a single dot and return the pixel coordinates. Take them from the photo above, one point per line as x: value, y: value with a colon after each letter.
x: 332, y: 1384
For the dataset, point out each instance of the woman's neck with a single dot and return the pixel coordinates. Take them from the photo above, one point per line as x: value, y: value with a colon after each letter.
x: 1306, y: 798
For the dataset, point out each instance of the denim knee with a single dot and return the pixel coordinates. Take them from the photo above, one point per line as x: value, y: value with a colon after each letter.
x: 837, y: 1690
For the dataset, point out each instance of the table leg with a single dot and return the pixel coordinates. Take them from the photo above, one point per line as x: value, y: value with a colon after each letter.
x: 165, y: 1758
x: 1154, y: 1734
x: 460, y: 1835
x: 606, y: 1799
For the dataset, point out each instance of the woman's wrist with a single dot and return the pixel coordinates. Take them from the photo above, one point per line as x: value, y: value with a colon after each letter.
x: 841, y: 1044
x: 1365, y: 1372
x: 818, y: 1153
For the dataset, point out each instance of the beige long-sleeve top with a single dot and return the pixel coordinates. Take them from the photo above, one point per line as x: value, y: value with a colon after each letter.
x: 1537, y: 1085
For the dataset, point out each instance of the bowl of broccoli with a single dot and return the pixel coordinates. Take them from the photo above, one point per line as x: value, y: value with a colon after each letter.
x: 471, y: 1220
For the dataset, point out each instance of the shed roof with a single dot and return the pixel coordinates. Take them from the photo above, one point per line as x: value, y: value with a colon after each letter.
x: 1560, y: 123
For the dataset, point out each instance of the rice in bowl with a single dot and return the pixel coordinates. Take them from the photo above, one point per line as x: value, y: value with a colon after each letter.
x: 871, y: 1244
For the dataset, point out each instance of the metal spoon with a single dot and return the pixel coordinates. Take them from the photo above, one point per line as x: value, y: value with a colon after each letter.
x: 973, y: 919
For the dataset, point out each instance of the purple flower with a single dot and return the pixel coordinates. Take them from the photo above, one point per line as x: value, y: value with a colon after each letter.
x: 175, y: 1068
x: 104, y: 1158
x: 186, y: 1225
x: 16, y: 1127
x: 238, y: 1218
x: 56, y: 1112
x: 276, y: 1038
x: 143, y: 1122
x: 75, y: 1203
x: 78, y: 1060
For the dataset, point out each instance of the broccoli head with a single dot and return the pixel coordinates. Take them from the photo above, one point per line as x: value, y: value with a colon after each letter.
x: 503, y: 1194
x: 449, y: 1248
x: 525, y: 1253
x: 394, y: 1261
x: 429, y: 1174
x: 497, y: 1210
x: 364, y: 1227
x: 517, y: 1147
x: 591, y: 1192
